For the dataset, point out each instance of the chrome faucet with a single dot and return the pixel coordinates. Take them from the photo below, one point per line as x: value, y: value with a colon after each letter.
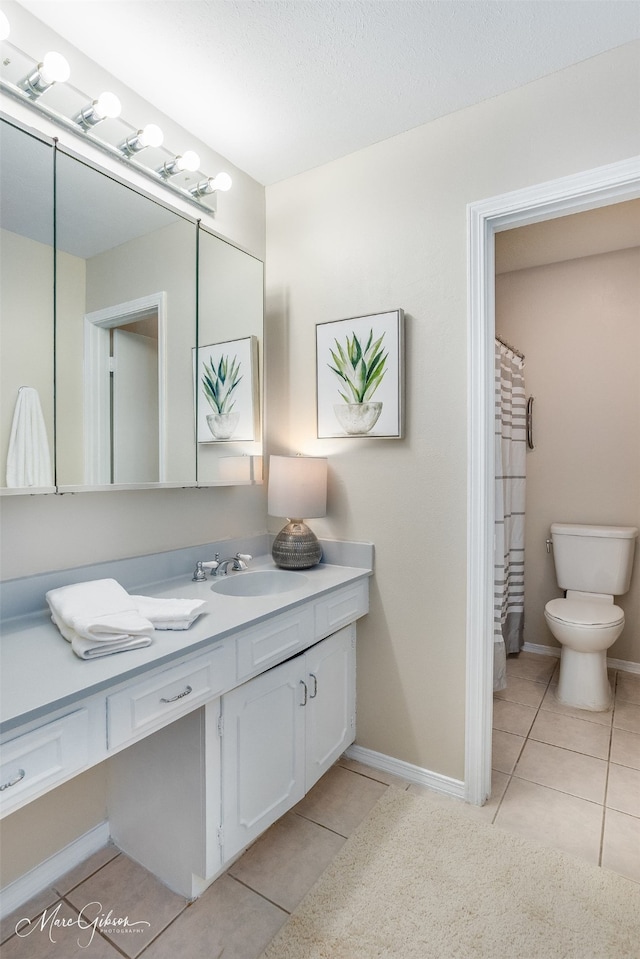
x: 219, y: 567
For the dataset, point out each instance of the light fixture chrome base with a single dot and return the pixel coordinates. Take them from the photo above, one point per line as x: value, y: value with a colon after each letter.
x: 296, y: 546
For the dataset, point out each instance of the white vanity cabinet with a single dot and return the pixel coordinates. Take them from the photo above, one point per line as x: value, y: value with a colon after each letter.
x: 281, y: 731
x: 212, y: 735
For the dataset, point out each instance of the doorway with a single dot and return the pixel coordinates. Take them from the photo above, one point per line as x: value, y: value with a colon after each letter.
x: 594, y: 188
x: 125, y: 393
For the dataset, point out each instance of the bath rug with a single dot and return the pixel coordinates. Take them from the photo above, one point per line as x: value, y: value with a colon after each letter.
x: 417, y: 881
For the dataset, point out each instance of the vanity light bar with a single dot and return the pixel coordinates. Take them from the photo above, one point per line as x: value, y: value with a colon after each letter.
x: 55, y: 69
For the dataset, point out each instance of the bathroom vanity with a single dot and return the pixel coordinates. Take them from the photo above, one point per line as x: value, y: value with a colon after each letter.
x: 212, y: 733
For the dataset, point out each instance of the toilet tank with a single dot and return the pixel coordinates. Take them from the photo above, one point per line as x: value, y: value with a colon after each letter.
x: 593, y: 559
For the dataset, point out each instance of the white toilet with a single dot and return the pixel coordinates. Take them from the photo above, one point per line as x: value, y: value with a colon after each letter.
x: 593, y: 564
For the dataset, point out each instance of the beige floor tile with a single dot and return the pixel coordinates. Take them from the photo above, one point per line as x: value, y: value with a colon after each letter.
x: 563, y: 769
x: 513, y: 717
x: 522, y: 691
x: 627, y: 716
x: 623, y: 789
x: 379, y: 775
x: 228, y: 921
x: 569, y: 733
x: 628, y: 688
x: 81, y: 872
x: 621, y: 844
x: 340, y: 800
x: 553, y: 818
x: 127, y: 890
x: 34, y: 907
x: 286, y: 861
x: 50, y: 938
x: 537, y: 669
x: 551, y: 704
x: 505, y: 751
x: 625, y: 748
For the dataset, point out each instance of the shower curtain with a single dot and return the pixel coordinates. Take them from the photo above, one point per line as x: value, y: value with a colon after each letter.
x: 510, y: 456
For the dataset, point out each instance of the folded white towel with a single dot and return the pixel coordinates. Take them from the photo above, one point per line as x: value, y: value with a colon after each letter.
x: 91, y: 649
x: 169, y: 613
x: 28, y: 458
x: 100, y: 610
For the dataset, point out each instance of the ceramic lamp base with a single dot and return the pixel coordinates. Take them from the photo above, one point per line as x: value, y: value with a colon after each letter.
x: 296, y: 546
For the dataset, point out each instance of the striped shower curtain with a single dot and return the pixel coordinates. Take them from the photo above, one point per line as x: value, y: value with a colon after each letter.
x: 510, y: 455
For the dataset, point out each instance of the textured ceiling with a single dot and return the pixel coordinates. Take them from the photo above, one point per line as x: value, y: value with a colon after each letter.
x: 281, y: 87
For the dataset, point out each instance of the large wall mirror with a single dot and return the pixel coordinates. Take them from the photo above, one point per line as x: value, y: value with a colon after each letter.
x: 137, y: 288
x: 26, y: 312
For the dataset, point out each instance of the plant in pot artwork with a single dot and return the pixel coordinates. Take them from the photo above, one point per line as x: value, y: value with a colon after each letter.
x: 361, y: 370
x: 226, y: 387
x: 359, y: 376
x: 219, y: 384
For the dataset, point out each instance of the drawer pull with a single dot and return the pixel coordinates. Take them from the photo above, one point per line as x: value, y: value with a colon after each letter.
x: 181, y: 695
x: 315, y: 686
x: 304, y: 686
x: 13, y: 782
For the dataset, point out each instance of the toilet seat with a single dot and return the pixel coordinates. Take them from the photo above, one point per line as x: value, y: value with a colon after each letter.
x: 584, y: 613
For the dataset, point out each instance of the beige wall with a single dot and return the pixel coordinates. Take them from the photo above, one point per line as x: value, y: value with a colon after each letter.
x: 386, y: 228
x: 578, y: 323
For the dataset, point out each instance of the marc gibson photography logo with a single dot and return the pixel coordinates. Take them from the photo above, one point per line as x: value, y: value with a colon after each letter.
x: 89, y: 920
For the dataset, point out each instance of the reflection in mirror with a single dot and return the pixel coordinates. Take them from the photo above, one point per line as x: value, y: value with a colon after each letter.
x: 228, y: 371
x: 125, y: 328
x: 26, y: 311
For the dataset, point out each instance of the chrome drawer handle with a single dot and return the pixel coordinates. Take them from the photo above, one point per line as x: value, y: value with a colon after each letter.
x: 304, y: 686
x: 13, y: 782
x: 315, y: 686
x: 179, y: 696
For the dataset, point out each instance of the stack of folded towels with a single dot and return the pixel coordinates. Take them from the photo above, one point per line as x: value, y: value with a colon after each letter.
x: 100, y: 617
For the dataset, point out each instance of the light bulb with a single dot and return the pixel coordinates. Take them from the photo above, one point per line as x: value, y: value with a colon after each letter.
x: 5, y: 28
x: 188, y: 161
x: 221, y: 182
x: 107, y: 106
x: 151, y: 136
x: 54, y: 69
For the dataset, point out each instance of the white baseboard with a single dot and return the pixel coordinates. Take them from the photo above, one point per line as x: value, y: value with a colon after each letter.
x: 414, y: 774
x: 47, y: 872
x: 622, y: 664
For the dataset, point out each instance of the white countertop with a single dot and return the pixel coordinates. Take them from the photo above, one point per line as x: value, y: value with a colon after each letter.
x: 40, y: 673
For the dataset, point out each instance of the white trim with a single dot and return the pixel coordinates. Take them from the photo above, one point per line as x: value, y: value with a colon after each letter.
x: 47, y: 872
x: 97, y: 417
x: 414, y: 774
x: 540, y: 650
x: 583, y: 191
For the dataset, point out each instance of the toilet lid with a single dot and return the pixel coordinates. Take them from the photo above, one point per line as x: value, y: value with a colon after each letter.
x: 583, y: 613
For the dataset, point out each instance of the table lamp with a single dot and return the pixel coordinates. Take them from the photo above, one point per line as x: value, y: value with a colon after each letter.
x: 297, y: 488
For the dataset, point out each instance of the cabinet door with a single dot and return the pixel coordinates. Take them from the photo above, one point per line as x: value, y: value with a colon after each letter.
x: 330, y: 710
x: 263, y: 747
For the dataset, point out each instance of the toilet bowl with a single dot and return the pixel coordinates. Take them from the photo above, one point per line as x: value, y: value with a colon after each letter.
x: 586, y: 629
x: 593, y: 564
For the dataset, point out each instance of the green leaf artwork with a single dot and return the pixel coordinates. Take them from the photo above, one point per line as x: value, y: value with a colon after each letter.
x: 360, y: 369
x: 219, y: 383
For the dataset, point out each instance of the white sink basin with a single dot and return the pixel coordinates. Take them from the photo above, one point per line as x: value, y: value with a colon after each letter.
x: 261, y: 582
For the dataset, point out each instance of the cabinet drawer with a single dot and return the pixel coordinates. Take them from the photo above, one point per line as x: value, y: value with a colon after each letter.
x: 340, y: 608
x: 273, y: 642
x: 150, y: 704
x: 38, y: 760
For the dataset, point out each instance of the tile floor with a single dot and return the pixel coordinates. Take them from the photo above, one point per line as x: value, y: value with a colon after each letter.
x: 567, y: 778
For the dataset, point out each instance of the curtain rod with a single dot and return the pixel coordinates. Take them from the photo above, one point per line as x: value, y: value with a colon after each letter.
x: 509, y: 347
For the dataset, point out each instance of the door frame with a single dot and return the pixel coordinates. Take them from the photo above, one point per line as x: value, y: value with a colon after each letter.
x: 97, y: 417
x: 588, y: 190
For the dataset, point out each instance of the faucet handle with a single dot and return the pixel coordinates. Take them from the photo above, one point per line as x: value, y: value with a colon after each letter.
x: 244, y: 557
x: 212, y: 564
x: 199, y: 575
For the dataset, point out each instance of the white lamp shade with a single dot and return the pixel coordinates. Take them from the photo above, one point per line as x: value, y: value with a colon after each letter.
x: 297, y: 486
